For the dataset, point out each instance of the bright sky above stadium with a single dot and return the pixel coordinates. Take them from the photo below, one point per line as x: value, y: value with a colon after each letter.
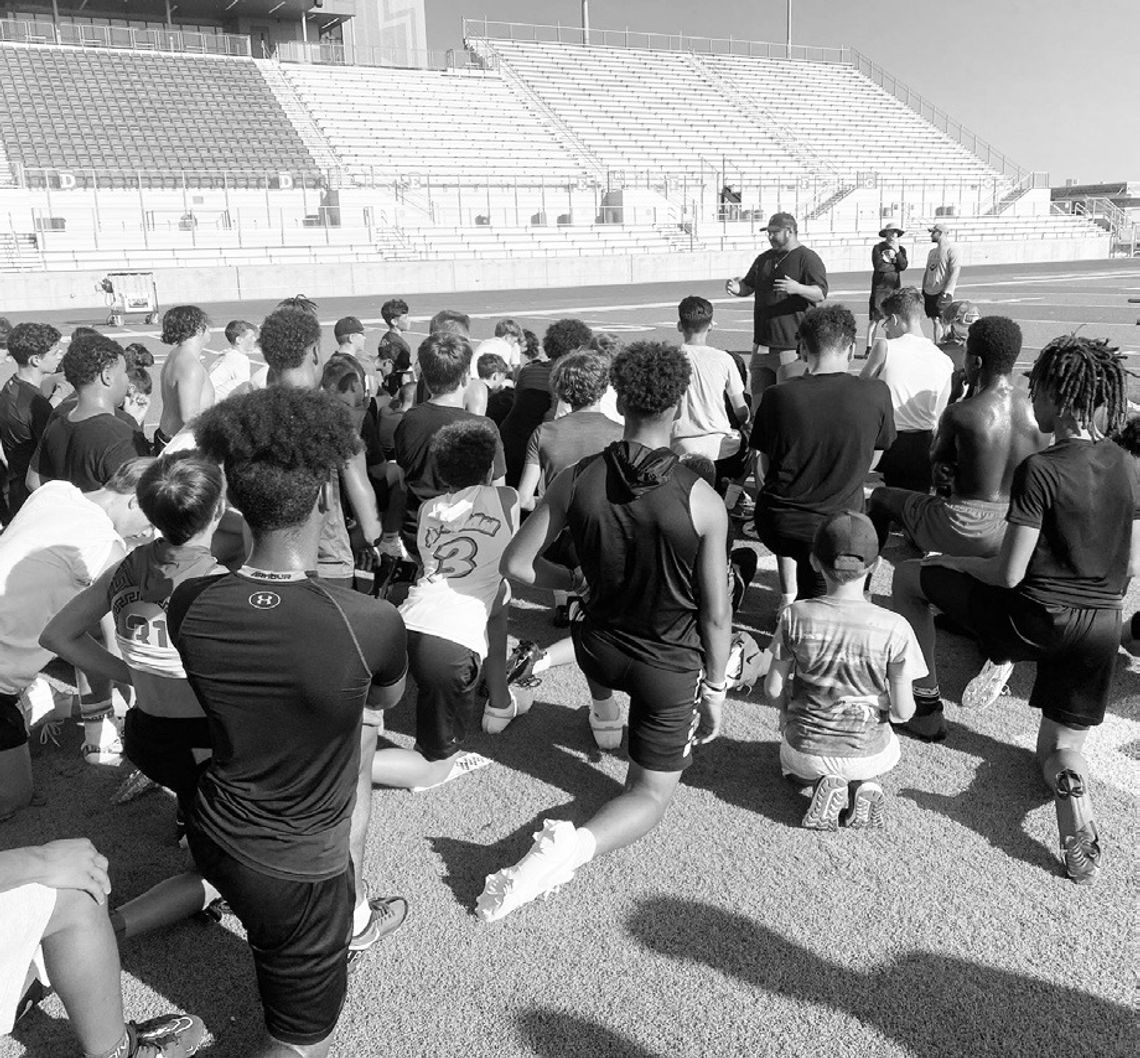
x: 1053, y: 85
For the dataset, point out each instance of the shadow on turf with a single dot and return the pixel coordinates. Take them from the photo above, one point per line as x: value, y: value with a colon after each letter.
x: 1006, y: 786
x: 936, y: 1006
x: 746, y: 774
x: 554, y: 1033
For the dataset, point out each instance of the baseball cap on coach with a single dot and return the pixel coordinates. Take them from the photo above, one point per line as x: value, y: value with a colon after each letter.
x: 846, y: 541
x: 346, y: 326
x: 782, y: 220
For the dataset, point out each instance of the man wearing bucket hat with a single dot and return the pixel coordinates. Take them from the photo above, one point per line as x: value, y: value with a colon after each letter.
x: 888, y: 262
x: 943, y: 267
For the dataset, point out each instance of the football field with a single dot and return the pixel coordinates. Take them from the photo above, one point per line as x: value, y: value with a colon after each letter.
x: 728, y: 930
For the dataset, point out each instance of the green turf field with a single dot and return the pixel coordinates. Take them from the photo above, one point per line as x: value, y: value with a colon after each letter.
x: 728, y: 930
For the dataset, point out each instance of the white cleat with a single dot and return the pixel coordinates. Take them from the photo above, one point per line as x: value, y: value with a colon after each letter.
x: 548, y: 865
x: 607, y: 733
x: 522, y: 698
x: 988, y: 686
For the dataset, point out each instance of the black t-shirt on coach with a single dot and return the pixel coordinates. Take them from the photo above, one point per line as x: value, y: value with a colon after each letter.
x: 1080, y: 494
x: 819, y: 433
x: 776, y: 316
x: 281, y: 665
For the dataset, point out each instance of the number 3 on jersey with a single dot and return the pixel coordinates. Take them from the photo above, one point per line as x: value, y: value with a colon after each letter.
x: 455, y: 557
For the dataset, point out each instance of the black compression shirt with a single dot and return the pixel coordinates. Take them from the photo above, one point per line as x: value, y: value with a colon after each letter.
x: 282, y: 665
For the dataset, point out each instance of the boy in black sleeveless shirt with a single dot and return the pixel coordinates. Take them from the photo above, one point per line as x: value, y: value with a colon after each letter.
x: 656, y: 618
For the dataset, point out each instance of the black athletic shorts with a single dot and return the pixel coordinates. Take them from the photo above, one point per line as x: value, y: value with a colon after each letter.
x: 299, y: 933
x: 13, y: 730
x: 906, y: 464
x: 809, y: 581
x: 161, y: 747
x: 1075, y: 649
x: 930, y: 304
x: 446, y: 676
x: 662, y: 704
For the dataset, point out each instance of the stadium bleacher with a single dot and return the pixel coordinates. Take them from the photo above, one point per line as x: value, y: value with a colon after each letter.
x: 454, y: 124
x: 530, y: 148
x: 132, y: 115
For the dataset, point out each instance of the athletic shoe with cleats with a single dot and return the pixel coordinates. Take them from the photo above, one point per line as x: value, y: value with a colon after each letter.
x: 520, y: 664
x: 133, y: 786
x: 988, y: 686
x: 868, y: 808
x: 495, y: 721
x: 927, y: 727
x: 548, y: 865
x: 388, y: 914
x: 827, y: 801
x: 1081, y: 853
x: 111, y: 753
x: 607, y: 733
x: 464, y: 763
x: 170, y: 1036
x: 745, y: 509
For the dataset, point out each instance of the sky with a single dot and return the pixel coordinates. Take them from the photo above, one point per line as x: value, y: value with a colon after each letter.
x: 1052, y: 84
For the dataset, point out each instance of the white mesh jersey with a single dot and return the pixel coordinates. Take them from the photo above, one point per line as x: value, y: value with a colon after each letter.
x: 138, y: 593
x: 461, y: 536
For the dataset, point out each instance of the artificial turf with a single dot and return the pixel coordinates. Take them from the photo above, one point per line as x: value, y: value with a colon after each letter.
x: 728, y: 930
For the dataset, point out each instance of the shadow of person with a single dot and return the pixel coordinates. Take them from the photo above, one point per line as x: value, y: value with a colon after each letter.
x: 551, y: 1033
x: 1005, y: 788
x: 936, y: 1006
x: 468, y: 863
x: 746, y: 774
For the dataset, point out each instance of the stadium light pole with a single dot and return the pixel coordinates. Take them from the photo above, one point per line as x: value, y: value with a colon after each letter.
x: 789, y: 27
x: 585, y: 21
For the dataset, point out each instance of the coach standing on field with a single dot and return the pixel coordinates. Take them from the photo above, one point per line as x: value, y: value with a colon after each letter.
x: 943, y: 267
x: 787, y: 281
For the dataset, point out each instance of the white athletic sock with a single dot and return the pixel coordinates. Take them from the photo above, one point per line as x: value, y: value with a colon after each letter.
x: 560, y: 597
x: 542, y: 664
x: 606, y: 709
x: 100, y: 733
x: 787, y: 599
x: 587, y: 845
x: 361, y: 916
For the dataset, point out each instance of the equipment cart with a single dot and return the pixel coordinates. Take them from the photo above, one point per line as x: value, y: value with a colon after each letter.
x: 131, y: 293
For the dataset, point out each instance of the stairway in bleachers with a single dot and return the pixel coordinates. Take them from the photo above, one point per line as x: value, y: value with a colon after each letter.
x: 157, y: 115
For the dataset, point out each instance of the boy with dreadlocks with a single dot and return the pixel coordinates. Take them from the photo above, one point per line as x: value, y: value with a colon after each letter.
x: 1053, y: 593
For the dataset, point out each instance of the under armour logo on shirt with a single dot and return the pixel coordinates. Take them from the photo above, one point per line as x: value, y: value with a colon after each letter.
x: 264, y: 600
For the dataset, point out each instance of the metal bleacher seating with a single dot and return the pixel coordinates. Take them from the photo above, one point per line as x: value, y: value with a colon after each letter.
x: 454, y: 125
x: 150, y: 116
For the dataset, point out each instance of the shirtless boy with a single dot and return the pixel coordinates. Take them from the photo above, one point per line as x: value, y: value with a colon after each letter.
x: 979, y: 444
x: 186, y: 387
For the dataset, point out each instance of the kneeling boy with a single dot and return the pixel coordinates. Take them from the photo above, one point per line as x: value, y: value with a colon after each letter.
x: 853, y: 663
x: 461, y: 538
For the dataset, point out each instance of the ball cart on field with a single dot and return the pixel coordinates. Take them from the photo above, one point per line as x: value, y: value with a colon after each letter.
x: 130, y: 293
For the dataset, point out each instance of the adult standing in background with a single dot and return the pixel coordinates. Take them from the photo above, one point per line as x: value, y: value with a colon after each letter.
x: 888, y: 262
x: 943, y: 267
x: 787, y: 280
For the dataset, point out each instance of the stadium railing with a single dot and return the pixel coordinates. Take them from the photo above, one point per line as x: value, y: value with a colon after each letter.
x: 627, y: 38
x: 349, y: 54
x: 33, y: 31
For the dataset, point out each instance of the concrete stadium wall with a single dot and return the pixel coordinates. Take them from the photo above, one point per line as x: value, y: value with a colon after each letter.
x: 27, y: 291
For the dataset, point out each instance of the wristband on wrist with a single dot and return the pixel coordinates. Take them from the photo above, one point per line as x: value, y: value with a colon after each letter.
x: 709, y: 685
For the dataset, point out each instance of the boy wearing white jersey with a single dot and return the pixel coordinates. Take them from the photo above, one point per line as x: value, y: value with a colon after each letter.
x: 919, y: 376
x: 461, y: 538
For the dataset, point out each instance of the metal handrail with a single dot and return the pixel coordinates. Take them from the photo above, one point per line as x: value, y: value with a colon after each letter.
x: 74, y: 34
x: 485, y: 29
x: 310, y: 53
